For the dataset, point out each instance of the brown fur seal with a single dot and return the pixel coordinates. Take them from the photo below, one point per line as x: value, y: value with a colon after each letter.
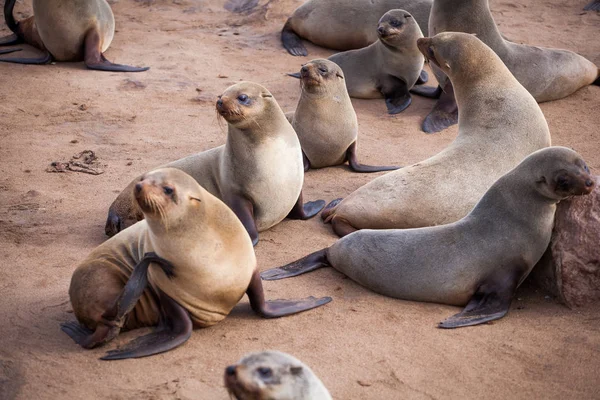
x: 500, y: 124
x: 325, y: 120
x: 273, y: 375
x: 259, y: 171
x: 187, y: 264
x: 548, y: 74
x: 478, y: 261
x: 66, y: 30
x: 344, y: 24
x: 389, y: 67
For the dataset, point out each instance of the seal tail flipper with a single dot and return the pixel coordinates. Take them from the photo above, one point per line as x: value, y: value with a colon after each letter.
x: 291, y: 41
x: 358, y: 167
x: 45, y: 59
x: 306, y: 264
x: 94, y: 59
x: 306, y: 211
x: 329, y: 210
x: 594, y: 5
x: 427, y: 91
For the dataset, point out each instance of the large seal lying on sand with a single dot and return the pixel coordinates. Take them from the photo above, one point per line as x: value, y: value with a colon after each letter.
x: 325, y: 120
x: 344, y: 24
x: 273, y: 375
x: 499, y: 124
x: 548, y: 74
x: 479, y: 260
x: 259, y: 172
x: 196, y: 257
x: 66, y: 30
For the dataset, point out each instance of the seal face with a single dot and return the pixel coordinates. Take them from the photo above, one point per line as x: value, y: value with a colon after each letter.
x: 273, y: 375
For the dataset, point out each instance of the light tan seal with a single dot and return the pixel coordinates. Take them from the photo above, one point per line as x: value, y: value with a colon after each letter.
x: 478, y: 261
x: 66, y: 30
x: 344, y: 24
x: 325, y: 120
x: 187, y: 264
x: 500, y: 124
x: 258, y: 173
x: 388, y: 68
x: 548, y: 74
x: 273, y: 375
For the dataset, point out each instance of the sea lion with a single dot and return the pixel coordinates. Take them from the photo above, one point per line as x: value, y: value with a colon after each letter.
x: 344, y: 24
x: 500, y: 123
x: 479, y: 260
x: 186, y: 265
x: 258, y: 172
x: 325, y: 120
x: 66, y: 30
x: 548, y: 74
x: 389, y: 67
x: 273, y: 375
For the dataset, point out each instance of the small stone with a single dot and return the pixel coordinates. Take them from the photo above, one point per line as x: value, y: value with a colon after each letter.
x: 83, y: 107
x: 74, y: 141
x: 222, y: 76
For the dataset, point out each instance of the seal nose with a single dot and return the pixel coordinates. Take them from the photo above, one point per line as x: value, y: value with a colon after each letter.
x: 219, y: 103
x: 589, y: 183
x: 230, y: 371
x: 381, y: 30
x: 138, y: 187
x: 304, y: 69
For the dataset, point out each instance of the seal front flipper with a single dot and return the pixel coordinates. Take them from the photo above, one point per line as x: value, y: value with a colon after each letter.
x: 291, y: 41
x: 358, y: 167
x: 10, y: 40
x: 244, y: 209
x: 94, y: 59
x: 397, y: 97
x: 444, y: 113
x: 309, y: 263
x: 423, y: 78
x: 294, y: 75
x: 278, y: 308
x: 174, y: 329
x: 44, y: 59
x: 427, y: 91
x: 9, y: 50
x: 306, y: 211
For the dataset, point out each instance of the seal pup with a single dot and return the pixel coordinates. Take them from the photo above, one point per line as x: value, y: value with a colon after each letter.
x: 389, y: 67
x: 548, y: 74
x: 273, y: 375
x: 258, y: 172
x: 344, y: 24
x: 325, y: 120
x: 66, y: 30
x: 186, y: 265
x: 478, y: 261
x: 500, y: 124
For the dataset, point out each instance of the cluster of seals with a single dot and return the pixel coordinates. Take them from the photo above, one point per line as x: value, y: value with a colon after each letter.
x: 325, y: 120
x: 186, y: 265
x: 500, y: 123
x: 65, y: 30
x: 273, y: 375
x: 478, y: 261
x: 548, y: 74
x: 344, y: 24
x: 258, y: 172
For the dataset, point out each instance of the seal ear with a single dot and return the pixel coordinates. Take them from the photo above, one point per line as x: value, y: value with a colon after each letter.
x: 339, y: 75
x: 266, y: 95
x: 296, y: 370
x: 542, y: 179
x: 195, y: 198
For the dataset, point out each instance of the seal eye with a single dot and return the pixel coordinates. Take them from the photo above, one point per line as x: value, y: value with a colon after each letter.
x: 168, y: 190
x: 322, y: 70
x: 265, y: 372
x: 243, y: 99
x: 586, y: 169
x: 395, y: 23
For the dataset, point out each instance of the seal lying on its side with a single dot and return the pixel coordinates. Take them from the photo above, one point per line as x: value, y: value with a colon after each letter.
x: 66, y: 30
x: 478, y: 261
x: 206, y: 263
x: 273, y: 375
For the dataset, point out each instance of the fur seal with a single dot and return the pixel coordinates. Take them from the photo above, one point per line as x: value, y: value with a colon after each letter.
x: 187, y: 264
x: 478, y: 261
x: 548, y: 74
x: 500, y: 124
x: 388, y: 68
x: 325, y: 120
x: 66, y: 30
x: 344, y: 24
x: 258, y: 172
x: 273, y: 375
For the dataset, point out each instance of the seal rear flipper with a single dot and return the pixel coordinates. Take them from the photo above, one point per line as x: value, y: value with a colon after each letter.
x: 306, y: 211
x: 174, y: 329
x: 88, y: 338
x: 45, y: 59
x: 309, y: 263
x: 244, y: 209
x: 10, y: 40
x: 9, y: 50
x: 358, y: 167
x: 291, y: 41
x: 327, y: 213
x: 423, y: 78
x: 427, y: 91
x: 94, y: 59
x: 444, y: 113
x: 397, y: 96
x: 594, y: 5
x: 278, y: 308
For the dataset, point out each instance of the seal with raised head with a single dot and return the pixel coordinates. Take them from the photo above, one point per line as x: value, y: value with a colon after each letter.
x: 478, y: 261
x: 258, y: 173
x: 273, y: 375
x: 344, y: 24
x: 500, y: 124
x: 66, y: 30
x: 548, y: 74
x: 325, y: 120
x: 186, y: 265
x: 388, y: 68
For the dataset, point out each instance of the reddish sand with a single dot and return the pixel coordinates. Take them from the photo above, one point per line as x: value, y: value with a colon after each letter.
x: 362, y: 345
